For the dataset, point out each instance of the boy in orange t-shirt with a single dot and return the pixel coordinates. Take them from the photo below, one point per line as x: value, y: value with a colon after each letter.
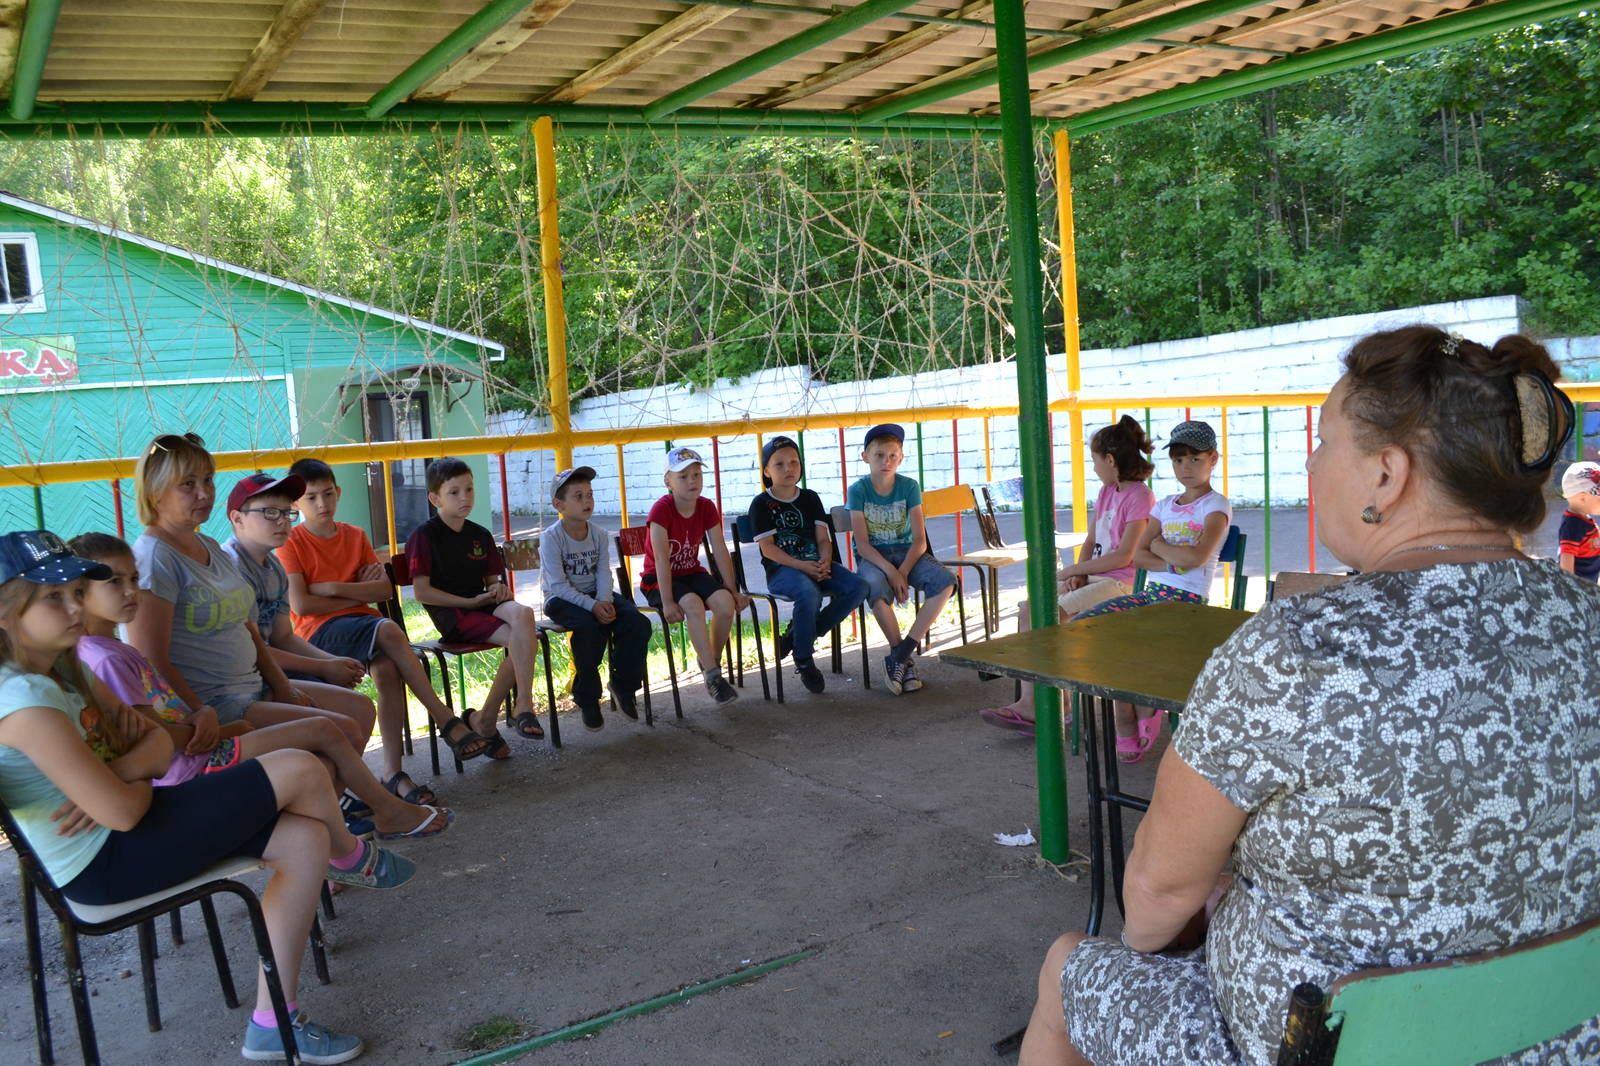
x: 334, y: 578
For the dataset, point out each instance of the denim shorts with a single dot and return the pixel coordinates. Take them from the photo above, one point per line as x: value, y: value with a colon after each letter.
x: 927, y: 576
x: 350, y: 636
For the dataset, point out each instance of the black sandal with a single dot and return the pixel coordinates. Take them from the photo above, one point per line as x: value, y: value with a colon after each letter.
x: 470, y: 746
x: 420, y: 795
x: 497, y: 748
x: 528, y: 725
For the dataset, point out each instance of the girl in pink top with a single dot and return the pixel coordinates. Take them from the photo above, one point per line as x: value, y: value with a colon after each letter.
x: 1104, y: 570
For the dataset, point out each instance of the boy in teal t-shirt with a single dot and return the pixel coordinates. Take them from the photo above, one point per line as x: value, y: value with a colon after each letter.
x: 892, y: 552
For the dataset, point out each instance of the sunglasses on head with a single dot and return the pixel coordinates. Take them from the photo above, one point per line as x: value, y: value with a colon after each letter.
x: 172, y: 441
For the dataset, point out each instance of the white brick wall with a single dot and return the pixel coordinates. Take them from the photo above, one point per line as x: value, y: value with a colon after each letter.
x: 1302, y: 355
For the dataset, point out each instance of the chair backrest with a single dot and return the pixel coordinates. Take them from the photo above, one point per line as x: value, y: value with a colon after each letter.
x: 839, y: 521
x: 630, y: 542
x: 1483, y: 1007
x: 1296, y: 582
x: 1232, y: 546
x: 32, y: 868
x: 988, y: 522
x: 742, y: 532
x: 399, y: 571
x: 950, y: 500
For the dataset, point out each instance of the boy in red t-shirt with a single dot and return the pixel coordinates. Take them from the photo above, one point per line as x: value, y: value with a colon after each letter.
x: 334, y: 578
x: 674, y: 581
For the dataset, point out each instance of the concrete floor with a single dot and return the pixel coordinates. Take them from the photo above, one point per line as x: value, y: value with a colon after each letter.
x: 637, y: 861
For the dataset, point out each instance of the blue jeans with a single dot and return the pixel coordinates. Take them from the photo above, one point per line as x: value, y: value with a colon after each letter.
x: 927, y: 576
x: 844, y: 590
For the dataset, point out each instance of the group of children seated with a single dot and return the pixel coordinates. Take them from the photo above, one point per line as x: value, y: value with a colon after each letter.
x: 175, y: 702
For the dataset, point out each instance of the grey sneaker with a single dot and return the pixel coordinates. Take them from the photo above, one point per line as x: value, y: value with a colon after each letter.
x: 719, y: 688
x: 315, y: 1044
x: 379, y: 869
x: 894, y: 672
x: 909, y: 681
x: 810, y: 676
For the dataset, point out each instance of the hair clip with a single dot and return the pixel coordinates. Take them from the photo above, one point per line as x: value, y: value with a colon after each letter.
x: 172, y: 441
x: 1451, y: 345
x: 1542, y: 410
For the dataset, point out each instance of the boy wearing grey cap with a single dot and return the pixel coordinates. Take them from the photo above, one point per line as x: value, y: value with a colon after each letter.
x: 575, y: 575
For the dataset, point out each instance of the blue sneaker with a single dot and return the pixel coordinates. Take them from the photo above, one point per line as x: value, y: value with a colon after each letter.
x: 315, y: 1044
x: 894, y: 672
x: 378, y: 869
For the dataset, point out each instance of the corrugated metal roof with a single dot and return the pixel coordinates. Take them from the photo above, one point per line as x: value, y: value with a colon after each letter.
x: 632, y: 53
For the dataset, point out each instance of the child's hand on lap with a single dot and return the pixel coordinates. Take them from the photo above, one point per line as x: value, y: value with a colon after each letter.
x: 671, y: 612
x: 899, y: 586
x: 604, y: 611
x: 343, y: 672
x: 206, y: 730
x: 740, y: 601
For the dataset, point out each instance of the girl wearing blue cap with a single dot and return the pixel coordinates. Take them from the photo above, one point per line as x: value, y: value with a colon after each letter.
x: 104, y: 835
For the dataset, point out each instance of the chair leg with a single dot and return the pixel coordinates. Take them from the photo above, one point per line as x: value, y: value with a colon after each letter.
x: 41, y: 1006
x: 866, y: 655
x: 208, y: 912
x: 649, y: 715
x: 147, y: 972
x: 761, y: 658
x: 836, y: 655
x: 550, y: 690
x: 327, y: 902
x: 80, y: 995
x: 319, y: 953
x: 269, y: 972
x: 450, y: 705
x: 672, y: 669
x: 735, y: 650
x: 961, y: 606
x: 175, y: 919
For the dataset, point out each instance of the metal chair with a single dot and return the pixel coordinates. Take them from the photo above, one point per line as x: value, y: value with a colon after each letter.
x: 1451, y: 1013
x: 744, y: 533
x: 957, y: 500
x: 77, y: 919
x: 842, y: 558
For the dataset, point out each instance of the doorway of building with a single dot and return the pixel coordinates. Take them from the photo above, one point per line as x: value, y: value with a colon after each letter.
x: 398, y: 416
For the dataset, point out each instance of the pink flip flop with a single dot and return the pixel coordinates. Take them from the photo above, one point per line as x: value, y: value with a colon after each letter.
x: 1007, y: 718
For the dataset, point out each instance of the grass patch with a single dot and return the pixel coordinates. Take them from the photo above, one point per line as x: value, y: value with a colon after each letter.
x: 491, y: 1033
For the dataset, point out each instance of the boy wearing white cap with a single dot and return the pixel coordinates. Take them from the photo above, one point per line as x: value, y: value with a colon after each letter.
x: 1580, y: 538
x: 674, y: 581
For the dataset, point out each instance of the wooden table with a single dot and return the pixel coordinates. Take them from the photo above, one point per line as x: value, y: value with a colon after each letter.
x: 1149, y: 656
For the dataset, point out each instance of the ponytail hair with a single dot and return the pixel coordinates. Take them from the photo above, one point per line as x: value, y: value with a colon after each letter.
x: 1129, y: 447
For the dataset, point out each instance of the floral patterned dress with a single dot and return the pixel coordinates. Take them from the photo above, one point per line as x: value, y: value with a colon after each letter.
x: 1419, y: 756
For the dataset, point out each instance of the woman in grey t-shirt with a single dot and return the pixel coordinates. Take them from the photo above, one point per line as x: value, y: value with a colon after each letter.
x: 195, y: 620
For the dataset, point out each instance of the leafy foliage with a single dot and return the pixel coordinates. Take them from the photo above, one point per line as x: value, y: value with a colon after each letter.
x: 1462, y: 172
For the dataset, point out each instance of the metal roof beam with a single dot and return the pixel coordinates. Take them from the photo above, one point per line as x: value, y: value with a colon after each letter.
x: 436, y: 60
x: 862, y: 15
x: 38, y: 26
x: 887, y: 52
x: 1390, y: 44
x: 658, y: 41
x: 1137, y: 33
x: 492, y: 49
x: 292, y: 19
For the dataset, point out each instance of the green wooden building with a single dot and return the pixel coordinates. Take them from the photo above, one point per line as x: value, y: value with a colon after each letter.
x: 108, y: 338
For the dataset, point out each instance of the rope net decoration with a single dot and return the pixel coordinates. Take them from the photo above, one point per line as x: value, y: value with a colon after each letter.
x: 684, y: 259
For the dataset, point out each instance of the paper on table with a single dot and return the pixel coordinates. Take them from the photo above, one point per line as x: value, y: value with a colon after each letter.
x: 1015, y: 840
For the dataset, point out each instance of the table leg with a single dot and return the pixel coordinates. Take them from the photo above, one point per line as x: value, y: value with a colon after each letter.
x: 1113, y: 810
x: 1097, y: 868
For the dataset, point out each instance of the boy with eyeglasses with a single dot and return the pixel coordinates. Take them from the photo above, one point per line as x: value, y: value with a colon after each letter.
x: 261, y: 510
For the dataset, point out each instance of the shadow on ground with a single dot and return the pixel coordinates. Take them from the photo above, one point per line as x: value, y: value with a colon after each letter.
x: 636, y: 861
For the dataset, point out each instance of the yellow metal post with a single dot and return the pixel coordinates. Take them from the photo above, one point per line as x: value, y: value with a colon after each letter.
x: 622, y: 486
x: 988, y: 452
x: 1069, y: 328
x: 388, y: 507
x: 555, y: 311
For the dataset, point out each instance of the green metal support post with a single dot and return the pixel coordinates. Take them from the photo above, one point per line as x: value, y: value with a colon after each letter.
x: 1033, y: 397
x: 33, y: 47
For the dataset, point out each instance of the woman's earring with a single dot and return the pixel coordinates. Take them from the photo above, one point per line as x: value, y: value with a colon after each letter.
x: 1370, y: 515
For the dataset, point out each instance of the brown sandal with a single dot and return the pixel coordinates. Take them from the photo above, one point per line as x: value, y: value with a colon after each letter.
x: 495, y: 745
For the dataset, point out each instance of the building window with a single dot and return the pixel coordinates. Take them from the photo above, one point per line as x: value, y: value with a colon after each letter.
x: 20, y: 287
